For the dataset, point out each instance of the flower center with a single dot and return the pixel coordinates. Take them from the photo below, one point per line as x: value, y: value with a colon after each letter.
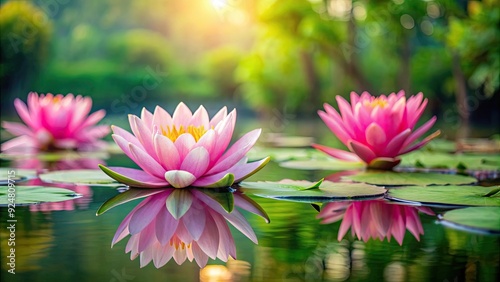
x: 56, y: 100
x: 173, y: 132
x: 377, y: 102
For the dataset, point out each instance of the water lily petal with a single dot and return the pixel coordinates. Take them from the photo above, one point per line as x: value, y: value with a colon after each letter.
x: 179, y: 178
x: 167, y: 152
x: 182, y: 115
x: 196, y: 162
x: 146, y: 162
x: 166, y: 225
x: 336, y: 153
x: 364, y: 152
x: 134, y: 177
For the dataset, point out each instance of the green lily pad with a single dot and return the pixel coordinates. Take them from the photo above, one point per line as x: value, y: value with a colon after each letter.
x: 311, y: 192
x: 127, y: 196
x: 15, y: 175
x: 482, y: 219
x: 322, y: 164
x: 27, y: 195
x: 79, y: 176
x: 446, y: 195
x: 424, y: 159
x: 409, y: 178
x: 283, y: 154
x: 441, y: 145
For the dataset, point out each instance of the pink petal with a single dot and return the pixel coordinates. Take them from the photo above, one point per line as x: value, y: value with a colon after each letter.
x: 200, y: 118
x: 147, y: 117
x: 123, y: 144
x: 93, y: 119
x: 21, y: 142
x: 375, y: 135
x: 199, y: 256
x: 162, y: 118
x: 143, y: 134
x: 421, y: 143
x: 207, y: 141
x: 145, y: 214
x: 196, y: 162
x: 336, y: 126
x: 226, y: 240
x: 224, y: 133
x: 396, y: 144
x: 16, y: 128
x: 419, y: 132
x: 146, y: 238
x: 182, y: 115
x: 194, y: 220
x: 146, y: 162
x: 179, y: 178
x: 209, y: 241
x: 23, y: 113
x: 236, y: 152
x: 363, y: 152
x: 184, y: 143
x: 336, y: 153
x: 165, y: 226
x: 126, y: 135
x: 218, y: 117
x: 178, y: 203
x: 166, y: 152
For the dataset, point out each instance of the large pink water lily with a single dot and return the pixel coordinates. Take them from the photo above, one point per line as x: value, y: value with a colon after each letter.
x: 375, y: 219
x: 55, y: 122
x: 185, y: 149
x: 184, y: 224
x: 377, y: 130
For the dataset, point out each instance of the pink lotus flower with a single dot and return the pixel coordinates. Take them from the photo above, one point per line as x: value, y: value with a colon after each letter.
x: 184, y: 149
x: 377, y: 130
x: 55, y: 122
x: 374, y: 219
x: 184, y: 224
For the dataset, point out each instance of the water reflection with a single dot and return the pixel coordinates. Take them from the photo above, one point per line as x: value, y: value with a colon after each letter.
x: 375, y: 219
x: 182, y: 224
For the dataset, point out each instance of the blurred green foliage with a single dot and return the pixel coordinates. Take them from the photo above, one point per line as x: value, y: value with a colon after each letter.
x: 267, y: 55
x: 25, y: 34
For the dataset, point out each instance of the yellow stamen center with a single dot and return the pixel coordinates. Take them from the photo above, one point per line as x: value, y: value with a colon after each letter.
x: 173, y: 132
x: 177, y: 244
x: 382, y: 103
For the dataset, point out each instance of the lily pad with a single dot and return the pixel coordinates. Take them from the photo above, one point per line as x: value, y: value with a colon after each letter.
x: 56, y: 156
x: 79, y: 176
x: 283, y: 154
x: 482, y: 219
x: 27, y: 195
x: 311, y: 192
x: 15, y: 175
x: 409, y: 178
x: 322, y: 164
x: 447, y: 195
x: 424, y: 159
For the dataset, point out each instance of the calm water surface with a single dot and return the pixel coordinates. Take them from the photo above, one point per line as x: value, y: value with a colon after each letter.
x: 75, y: 245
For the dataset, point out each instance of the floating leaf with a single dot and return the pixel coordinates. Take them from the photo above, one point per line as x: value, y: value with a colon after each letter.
x: 301, y: 190
x: 283, y: 154
x: 445, y: 195
x: 57, y: 156
x: 79, y: 176
x: 127, y: 196
x: 14, y: 175
x: 320, y: 164
x: 451, y: 161
x: 409, y: 178
x: 26, y: 195
x: 483, y: 219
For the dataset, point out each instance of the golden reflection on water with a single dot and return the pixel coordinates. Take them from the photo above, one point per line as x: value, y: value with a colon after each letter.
x: 235, y: 270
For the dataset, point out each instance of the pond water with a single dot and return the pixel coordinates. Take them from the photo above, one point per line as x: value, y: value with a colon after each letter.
x: 67, y: 242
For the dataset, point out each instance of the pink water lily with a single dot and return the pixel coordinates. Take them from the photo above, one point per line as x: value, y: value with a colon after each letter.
x: 377, y: 130
x: 184, y: 224
x: 375, y: 219
x: 185, y: 149
x: 55, y: 122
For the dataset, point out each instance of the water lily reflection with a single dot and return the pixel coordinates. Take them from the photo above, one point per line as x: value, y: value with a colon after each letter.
x: 185, y: 224
x: 375, y: 219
